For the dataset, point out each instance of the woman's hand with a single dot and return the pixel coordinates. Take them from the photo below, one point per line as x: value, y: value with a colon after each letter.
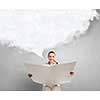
x: 72, y: 73
x: 29, y: 75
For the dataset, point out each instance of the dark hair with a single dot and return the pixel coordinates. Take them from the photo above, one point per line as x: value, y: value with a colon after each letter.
x: 51, y: 52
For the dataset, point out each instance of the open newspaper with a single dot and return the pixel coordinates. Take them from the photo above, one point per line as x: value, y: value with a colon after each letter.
x: 51, y: 74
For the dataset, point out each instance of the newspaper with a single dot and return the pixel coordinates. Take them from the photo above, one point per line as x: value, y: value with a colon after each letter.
x: 51, y: 74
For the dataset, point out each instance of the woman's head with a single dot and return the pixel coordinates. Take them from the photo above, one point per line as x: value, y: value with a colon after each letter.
x: 51, y: 57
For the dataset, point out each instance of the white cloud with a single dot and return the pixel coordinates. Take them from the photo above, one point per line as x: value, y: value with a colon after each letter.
x: 35, y: 31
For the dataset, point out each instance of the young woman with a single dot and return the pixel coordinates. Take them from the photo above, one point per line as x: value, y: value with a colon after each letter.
x: 51, y: 61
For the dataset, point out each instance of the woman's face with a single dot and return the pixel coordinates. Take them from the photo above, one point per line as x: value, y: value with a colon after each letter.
x: 52, y: 57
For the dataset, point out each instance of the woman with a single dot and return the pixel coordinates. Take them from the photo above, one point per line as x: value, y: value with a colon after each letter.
x: 51, y: 61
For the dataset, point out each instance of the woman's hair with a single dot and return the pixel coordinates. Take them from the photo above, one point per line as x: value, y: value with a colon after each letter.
x: 51, y: 52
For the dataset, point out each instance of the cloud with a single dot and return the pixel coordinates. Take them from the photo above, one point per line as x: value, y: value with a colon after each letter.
x: 35, y: 31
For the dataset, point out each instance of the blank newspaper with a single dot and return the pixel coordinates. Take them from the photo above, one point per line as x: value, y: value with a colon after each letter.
x: 51, y: 74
